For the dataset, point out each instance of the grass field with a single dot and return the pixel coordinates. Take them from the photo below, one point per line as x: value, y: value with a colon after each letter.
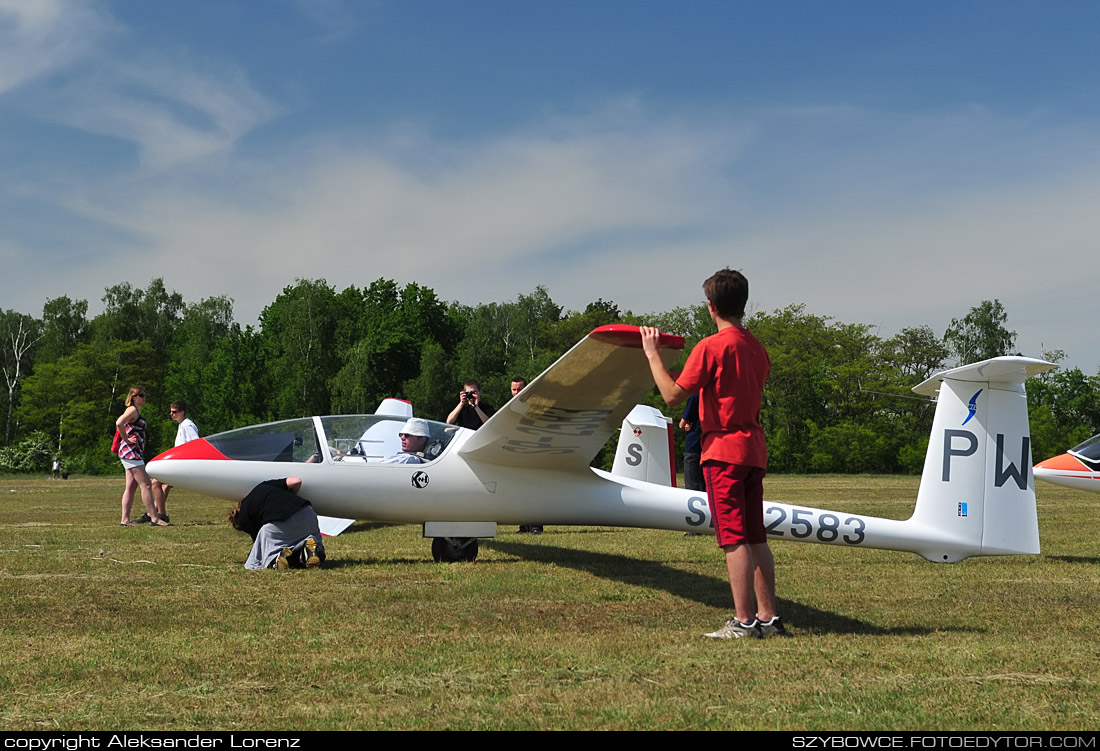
x: 104, y: 627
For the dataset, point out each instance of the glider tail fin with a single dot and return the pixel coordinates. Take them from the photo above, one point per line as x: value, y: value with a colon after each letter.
x: 977, y: 493
x: 645, y: 448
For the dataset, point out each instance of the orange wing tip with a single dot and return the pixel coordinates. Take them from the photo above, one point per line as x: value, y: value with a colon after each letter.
x: 199, y: 448
x: 1063, y: 463
x: 622, y: 335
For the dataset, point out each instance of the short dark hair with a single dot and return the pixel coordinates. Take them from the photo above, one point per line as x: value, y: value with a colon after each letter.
x: 235, y: 520
x: 728, y: 291
x: 180, y: 406
x: 473, y: 382
x: 519, y: 379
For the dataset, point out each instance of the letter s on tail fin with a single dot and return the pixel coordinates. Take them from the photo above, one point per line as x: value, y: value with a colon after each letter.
x: 645, y: 448
x: 977, y: 489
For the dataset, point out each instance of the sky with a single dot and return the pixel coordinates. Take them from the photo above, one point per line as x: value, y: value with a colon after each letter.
x: 885, y: 163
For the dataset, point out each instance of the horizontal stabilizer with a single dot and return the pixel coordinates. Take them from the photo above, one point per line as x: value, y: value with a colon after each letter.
x: 332, y: 525
x: 999, y: 370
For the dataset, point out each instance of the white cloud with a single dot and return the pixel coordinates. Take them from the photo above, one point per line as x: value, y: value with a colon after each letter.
x: 42, y: 37
x: 352, y: 216
x: 173, y: 112
x: 631, y: 209
x: 175, y: 108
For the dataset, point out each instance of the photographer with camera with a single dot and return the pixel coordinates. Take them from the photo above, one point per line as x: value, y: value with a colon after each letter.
x: 470, y: 412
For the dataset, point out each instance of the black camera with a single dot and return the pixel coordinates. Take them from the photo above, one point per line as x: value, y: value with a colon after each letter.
x: 470, y: 396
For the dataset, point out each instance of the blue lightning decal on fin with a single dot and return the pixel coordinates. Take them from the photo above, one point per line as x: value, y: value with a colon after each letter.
x: 972, y: 407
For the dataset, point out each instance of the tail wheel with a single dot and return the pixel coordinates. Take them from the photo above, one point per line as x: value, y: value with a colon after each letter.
x: 454, y: 549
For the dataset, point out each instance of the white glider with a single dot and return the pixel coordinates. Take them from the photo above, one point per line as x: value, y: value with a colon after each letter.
x: 531, y: 461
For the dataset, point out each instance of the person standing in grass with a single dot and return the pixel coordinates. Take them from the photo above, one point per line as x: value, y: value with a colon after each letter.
x: 187, y: 431
x: 728, y: 370
x: 131, y: 452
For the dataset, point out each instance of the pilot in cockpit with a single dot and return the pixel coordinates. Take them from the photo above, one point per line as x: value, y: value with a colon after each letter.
x: 414, y: 442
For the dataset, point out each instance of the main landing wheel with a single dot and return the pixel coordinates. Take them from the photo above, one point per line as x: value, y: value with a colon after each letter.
x: 454, y: 549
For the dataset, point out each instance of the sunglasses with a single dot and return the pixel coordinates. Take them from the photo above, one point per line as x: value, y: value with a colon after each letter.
x: 141, y: 395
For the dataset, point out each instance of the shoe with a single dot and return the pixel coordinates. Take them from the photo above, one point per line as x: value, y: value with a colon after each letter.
x: 164, y: 518
x: 143, y: 519
x: 309, y: 554
x: 283, y: 561
x: 774, y: 627
x: 734, y: 629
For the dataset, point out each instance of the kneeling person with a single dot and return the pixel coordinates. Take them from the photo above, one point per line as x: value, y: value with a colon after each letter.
x: 414, y: 439
x: 282, y: 525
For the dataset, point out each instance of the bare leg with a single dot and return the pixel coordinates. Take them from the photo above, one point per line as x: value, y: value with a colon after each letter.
x: 146, y: 485
x: 160, y: 496
x: 128, y: 496
x: 763, y: 580
x: 739, y: 565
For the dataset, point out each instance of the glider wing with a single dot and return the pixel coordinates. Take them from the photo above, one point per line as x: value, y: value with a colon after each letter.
x: 565, y: 416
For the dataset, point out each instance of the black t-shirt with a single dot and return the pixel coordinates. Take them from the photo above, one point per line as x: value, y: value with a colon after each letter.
x: 469, y: 418
x: 270, y: 501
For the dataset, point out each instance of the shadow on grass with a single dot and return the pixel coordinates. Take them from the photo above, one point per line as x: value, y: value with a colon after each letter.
x: 706, y: 590
x: 342, y: 562
x: 1086, y: 559
x: 366, y: 527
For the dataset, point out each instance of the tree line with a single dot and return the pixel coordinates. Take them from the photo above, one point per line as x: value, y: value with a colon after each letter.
x: 838, y: 399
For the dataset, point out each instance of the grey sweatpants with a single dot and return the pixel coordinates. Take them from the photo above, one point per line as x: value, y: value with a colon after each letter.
x: 289, y: 533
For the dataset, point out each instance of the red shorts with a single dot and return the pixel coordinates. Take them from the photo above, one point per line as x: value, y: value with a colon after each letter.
x: 736, y: 496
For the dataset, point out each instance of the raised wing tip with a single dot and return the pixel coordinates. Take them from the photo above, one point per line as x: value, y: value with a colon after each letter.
x: 628, y: 336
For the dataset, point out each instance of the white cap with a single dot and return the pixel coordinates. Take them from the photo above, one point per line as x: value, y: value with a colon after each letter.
x: 416, y: 426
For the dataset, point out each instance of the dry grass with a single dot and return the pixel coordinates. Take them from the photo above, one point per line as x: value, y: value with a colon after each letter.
x: 103, y: 627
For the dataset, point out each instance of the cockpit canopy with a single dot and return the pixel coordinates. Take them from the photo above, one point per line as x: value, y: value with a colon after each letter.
x: 1088, y: 451
x: 348, y: 438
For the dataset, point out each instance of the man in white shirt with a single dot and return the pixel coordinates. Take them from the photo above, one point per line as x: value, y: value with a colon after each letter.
x: 187, y: 431
x: 414, y: 439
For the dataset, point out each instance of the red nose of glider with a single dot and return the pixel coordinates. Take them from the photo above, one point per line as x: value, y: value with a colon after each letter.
x: 1062, y: 463
x: 200, y: 448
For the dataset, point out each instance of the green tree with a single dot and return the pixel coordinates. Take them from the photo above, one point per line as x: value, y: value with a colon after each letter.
x: 19, y: 335
x: 130, y: 313
x: 432, y: 391
x: 299, y: 338
x: 64, y: 325
x: 234, y: 384
x: 980, y: 334
x: 77, y: 399
x: 202, y: 326
x: 916, y: 352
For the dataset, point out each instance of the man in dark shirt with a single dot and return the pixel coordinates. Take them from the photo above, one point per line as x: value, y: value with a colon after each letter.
x: 470, y: 412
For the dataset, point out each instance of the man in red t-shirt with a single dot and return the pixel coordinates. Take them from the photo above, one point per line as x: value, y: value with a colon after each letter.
x: 728, y: 370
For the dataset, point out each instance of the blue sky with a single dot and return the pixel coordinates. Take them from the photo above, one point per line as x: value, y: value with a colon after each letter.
x: 882, y: 162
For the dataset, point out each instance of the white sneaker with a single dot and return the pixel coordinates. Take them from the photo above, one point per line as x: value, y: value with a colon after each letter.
x: 734, y: 629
